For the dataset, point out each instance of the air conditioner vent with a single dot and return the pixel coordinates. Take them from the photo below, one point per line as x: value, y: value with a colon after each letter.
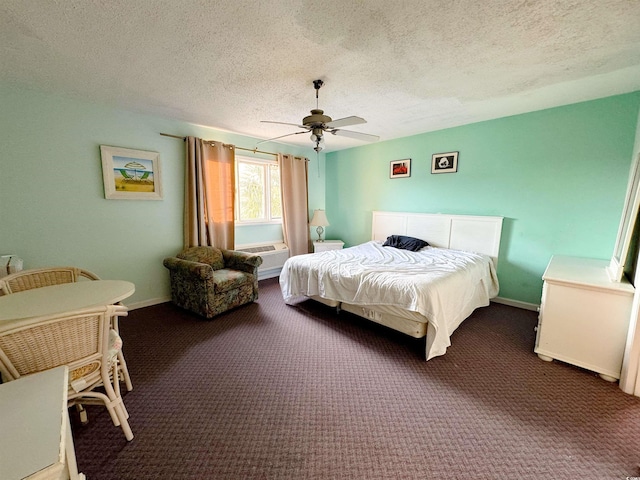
x: 273, y: 257
x: 264, y: 248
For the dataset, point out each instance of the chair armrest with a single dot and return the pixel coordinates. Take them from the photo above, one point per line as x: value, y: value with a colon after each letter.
x: 246, y: 262
x: 196, y: 269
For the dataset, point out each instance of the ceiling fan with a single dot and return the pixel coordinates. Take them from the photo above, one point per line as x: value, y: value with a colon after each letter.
x: 318, y: 123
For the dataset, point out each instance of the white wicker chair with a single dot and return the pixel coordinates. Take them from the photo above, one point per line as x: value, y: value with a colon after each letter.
x: 83, y: 341
x: 44, y: 277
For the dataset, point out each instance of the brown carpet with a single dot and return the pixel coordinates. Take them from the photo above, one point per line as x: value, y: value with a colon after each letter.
x: 270, y: 391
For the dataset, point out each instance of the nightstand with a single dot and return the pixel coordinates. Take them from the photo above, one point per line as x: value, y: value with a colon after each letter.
x: 327, y: 245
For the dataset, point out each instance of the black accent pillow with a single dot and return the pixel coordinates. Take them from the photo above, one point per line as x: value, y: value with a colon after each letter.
x: 405, y: 243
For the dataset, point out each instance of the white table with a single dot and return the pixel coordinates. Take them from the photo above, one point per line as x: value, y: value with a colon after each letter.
x: 66, y: 297
x: 36, y: 441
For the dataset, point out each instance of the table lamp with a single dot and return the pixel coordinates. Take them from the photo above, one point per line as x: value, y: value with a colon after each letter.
x: 319, y: 220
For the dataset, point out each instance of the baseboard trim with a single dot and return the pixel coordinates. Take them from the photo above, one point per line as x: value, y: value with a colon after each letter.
x: 504, y: 301
x: 517, y: 303
x: 148, y: 303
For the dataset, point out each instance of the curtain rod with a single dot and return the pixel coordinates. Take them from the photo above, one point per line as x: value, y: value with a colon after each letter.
x: 254, y: 150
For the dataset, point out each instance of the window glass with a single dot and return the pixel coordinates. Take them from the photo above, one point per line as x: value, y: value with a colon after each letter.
x: 258, y: 191
x: 276, y: 201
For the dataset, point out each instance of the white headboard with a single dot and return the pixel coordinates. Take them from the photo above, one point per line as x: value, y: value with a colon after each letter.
x: 460, y: 232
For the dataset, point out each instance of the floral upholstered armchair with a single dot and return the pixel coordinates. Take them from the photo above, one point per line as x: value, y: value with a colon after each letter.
x: 209, y: 280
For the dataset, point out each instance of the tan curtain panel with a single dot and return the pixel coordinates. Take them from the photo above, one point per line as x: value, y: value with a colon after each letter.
x: 295, y: 210
x: 209, y: 194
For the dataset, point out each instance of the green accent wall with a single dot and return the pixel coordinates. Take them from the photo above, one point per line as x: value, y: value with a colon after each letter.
x: 52, y: 205
x: 557, y: 176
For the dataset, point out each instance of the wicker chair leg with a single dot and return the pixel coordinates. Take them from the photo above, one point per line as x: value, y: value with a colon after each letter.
x: 84, y: 419
x: 124, y: 423
x: 98, y: 398
x: 116, y: 403
x: 124, y: 371
x: 121, y: 361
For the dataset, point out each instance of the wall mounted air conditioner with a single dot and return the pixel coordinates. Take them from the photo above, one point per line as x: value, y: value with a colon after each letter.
x: 273, y: 257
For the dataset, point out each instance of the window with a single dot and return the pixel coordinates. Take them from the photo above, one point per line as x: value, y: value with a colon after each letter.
x: 258, y: 191
x: 627, y: 223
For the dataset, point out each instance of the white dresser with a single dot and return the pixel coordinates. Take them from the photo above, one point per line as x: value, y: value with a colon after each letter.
x: 584, y: 317
x: 327, y: 245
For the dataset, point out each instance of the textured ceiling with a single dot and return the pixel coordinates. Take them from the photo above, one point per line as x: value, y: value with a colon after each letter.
x: 407, y: 67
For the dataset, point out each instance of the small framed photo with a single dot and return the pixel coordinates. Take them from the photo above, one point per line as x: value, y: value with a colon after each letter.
x: 444, y: 162
x: 130, y: 174
x: 400, y: 168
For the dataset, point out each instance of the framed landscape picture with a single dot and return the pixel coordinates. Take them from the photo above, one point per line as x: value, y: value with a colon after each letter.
x: 130, y: 174
x: 444, y: 162
x: 400, y: 168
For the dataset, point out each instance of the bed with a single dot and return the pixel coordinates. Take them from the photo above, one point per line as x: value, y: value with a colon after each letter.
x: 427, y: 293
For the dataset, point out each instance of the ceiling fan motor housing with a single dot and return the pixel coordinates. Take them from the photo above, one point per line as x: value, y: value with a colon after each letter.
x: 316, y: 119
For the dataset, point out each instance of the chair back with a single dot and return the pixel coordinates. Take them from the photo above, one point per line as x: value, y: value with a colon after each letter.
x: 209, y: 255
x: 79, y: 340
x: 42, y: 277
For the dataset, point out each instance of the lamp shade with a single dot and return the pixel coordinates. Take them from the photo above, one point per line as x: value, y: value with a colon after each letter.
x: 319, y: 219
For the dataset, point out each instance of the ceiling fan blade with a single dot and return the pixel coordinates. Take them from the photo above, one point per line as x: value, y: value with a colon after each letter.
x: 281, y: 136
x: 345, y: 122
x: 283, y: 123
x: 365, y: 137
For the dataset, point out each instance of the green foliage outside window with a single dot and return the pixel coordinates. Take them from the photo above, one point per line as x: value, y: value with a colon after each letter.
x: 276, y: 199
x: 258, y: 191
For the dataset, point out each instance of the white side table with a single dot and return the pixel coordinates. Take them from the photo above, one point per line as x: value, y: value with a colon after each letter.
x: 36, y: 439
x: 327, y: 245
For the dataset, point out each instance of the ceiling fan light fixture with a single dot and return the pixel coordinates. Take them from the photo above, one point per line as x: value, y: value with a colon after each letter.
x: 319, y: 142
x: 316, y: 135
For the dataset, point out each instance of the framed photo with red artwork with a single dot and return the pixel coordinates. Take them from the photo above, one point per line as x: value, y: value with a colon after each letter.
x: 400, y: 168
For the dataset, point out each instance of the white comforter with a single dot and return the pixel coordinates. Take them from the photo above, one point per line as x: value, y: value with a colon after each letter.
x: 443, y: 285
